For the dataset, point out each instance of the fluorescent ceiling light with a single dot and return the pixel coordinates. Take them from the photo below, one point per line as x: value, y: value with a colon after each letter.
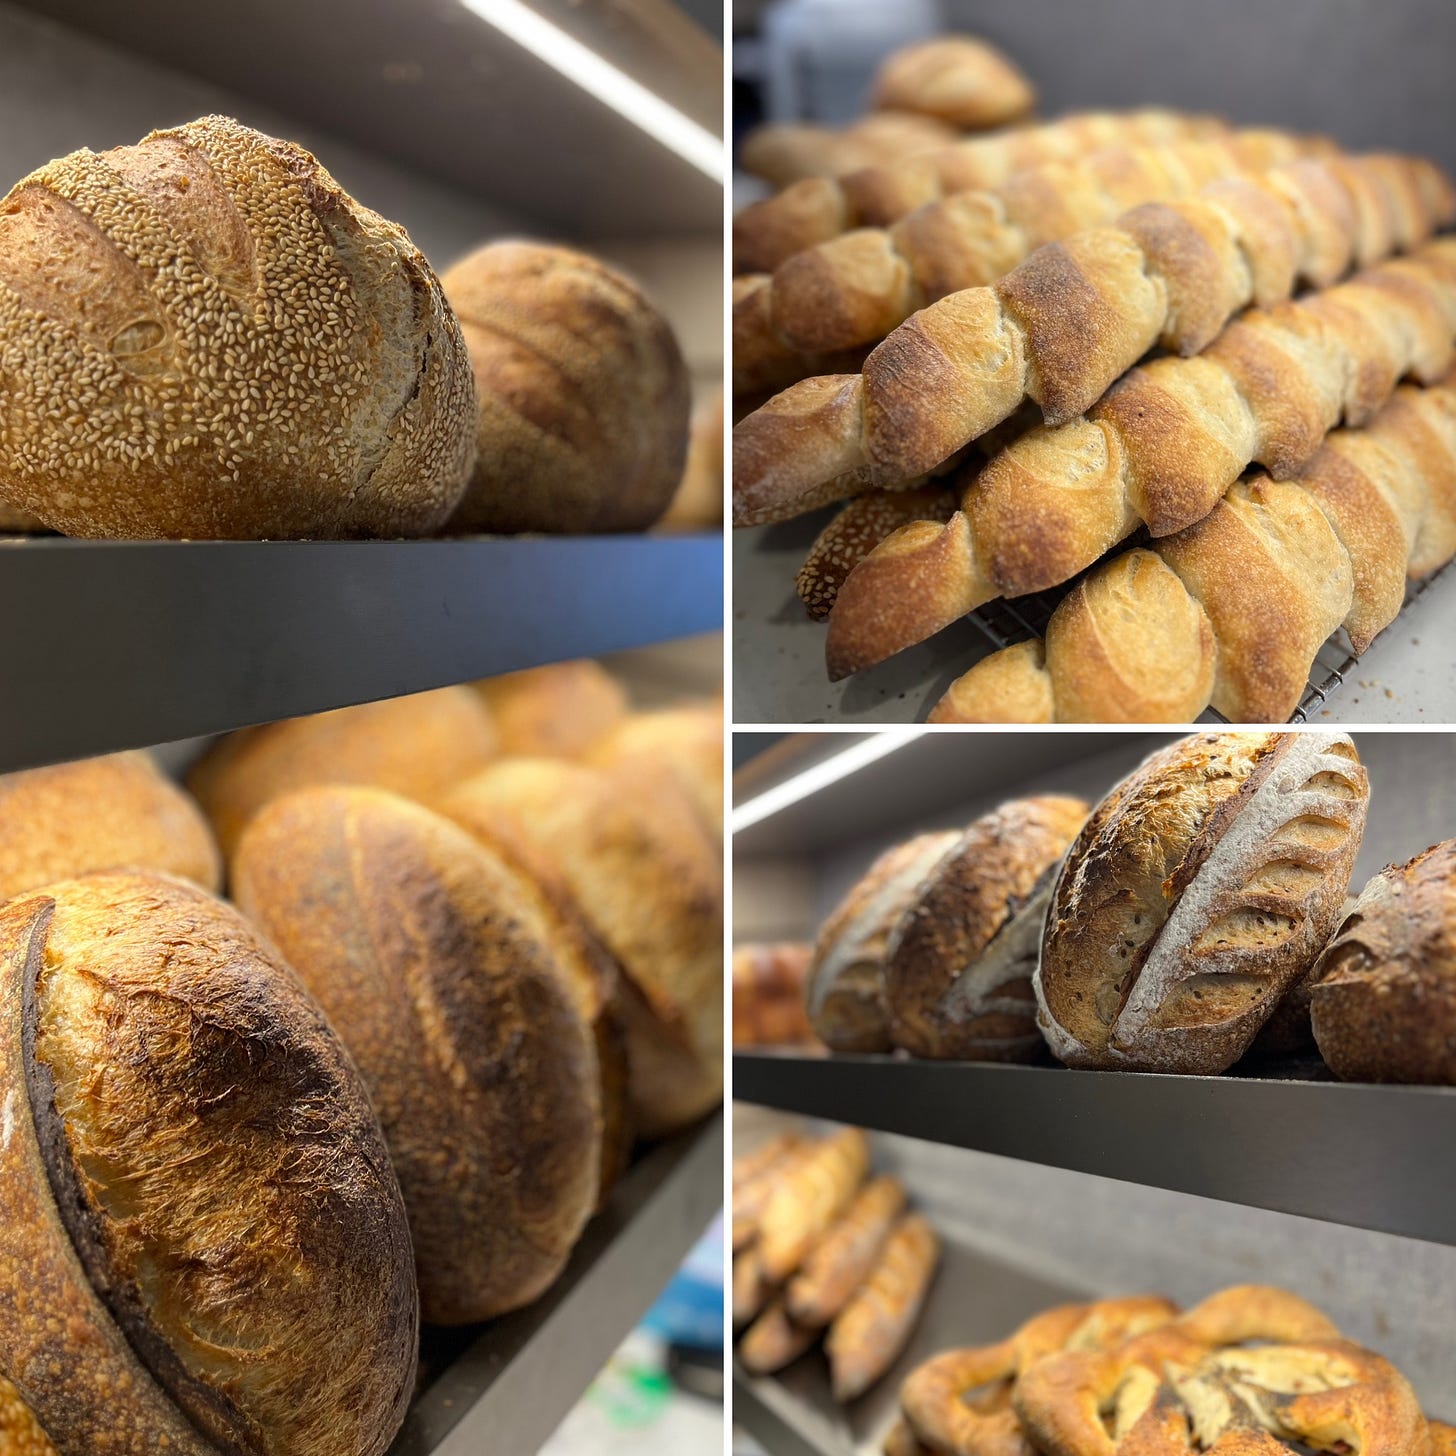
x: 614, y: 88
x: 820, y: 776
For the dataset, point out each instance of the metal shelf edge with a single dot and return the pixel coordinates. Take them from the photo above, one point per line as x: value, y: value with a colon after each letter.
x: 1368, y: 1156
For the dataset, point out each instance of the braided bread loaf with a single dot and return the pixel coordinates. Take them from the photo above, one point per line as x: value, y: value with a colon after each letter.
x: 819, y: 208
x: 1062, y: 326
x: 204, y: 335
x: 1232, y: 610
x: 1162, y: 448
x: 852, y: 290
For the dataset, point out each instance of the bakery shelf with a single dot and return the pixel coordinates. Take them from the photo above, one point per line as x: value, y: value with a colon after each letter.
x: 1373, y: 1157
x: 506, y: 1388
x: 127, y: 644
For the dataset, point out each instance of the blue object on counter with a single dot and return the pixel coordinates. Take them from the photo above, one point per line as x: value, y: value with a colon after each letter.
x: 690, y: 1309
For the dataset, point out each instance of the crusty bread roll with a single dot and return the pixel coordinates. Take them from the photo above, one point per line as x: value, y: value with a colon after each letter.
x: 207, y: 1246
x: 783, y: 153
x: 418, y: 746
x: 651, y: 887
x: 556, y: 711
x: 957, y: 79
x: 680, y: 746
x: 768, y: 995
x: 20, y: 1432
x: 846, y: 989
x: 584, y: 398
x: 698, y: 501
x: 114, y: 812
x: 957, y: 971
x: 1383, y: 993
x: 450, y: 981
x: 206, y: 336
x: 1199, y: 891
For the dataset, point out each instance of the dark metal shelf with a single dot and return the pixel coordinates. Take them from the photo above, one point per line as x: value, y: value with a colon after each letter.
x: 126, y: 644
x: 508, y: 1386
x: 1372, y: 1157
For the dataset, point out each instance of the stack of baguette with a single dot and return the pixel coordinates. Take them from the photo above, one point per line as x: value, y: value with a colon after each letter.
x: 474, y: 952
x: 983, y: 288
x: 819, y: 1252
x: 1249, y: 1368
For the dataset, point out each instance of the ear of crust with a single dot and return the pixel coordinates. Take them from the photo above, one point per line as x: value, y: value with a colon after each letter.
x: 914, y: 583
x: 1009, y: 686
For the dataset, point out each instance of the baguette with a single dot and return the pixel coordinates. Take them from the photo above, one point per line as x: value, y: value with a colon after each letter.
x: 842, y: 1260
x: 1162, y: 449
x: 750, y: 1288
x: 1232, y: 611
x: 869, y: 1333
x: 751, y: 1197
x: 816, y: 209
x: 958, y: 79
x: 1062, y: 326
x: 205, y: 336
x: 852, y: 290
x: 808, y: 1198
x: 774, y: 1340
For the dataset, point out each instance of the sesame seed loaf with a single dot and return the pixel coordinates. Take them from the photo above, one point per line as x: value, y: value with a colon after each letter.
x: 1383, y: 994
x: 1198, y: 892
x: 957, y: 973
x: 205, y: 336
x: 205, y: 1244
x: 114, y: 812
x: 584, y: 397
x: 452, y: 981
x: 846, y: 989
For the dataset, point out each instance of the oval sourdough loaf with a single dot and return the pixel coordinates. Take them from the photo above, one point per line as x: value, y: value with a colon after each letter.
x: 650, y: 886
x: 1198, y: 892
x: 235, y: 346
x: 448, y: 977
x: 556, y: 711
x: 957, y: 973
x: 584, y: 398
x: 114, y: 812
x: 846, y: 987
x: 204, y: 1243
x: 419, y: 746
x: 1383, y: 994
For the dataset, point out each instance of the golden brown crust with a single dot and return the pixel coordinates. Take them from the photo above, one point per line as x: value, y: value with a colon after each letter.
x: 957, y: 79
x: 20, y: 1432
x: 774, y: 1340
x: 807, y: 1198
x: 751, y: 1192
x: 446, y: 976
x: 557, y: 711
x: 957, y: 973
x: 584, y: 397
x: 1010, y: 686
x: 697, y: 504
x: 871, y: 1330
x: 768, y: 995
x: 1199, y: 891
x: 846, y: 989
x: 845, y: 1256
x: 419, y: 746
x: 283, y: 358
x: 1381, y: 994
x: 649, y: 884
x: 786, y: 155
x: 109, y: 813
x: 210, y: 1214
x: 679, y: 748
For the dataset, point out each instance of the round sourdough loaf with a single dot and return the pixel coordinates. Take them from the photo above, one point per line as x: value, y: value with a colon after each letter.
x: 650, y: 885
x: 419, y: 746
x: 203, y: 1243
x: 958, y: 968
x: 20, y: 1432
x: 556, y: 711
x: 109, y: 813
x: 846, y: 991
x: 584, y: 398
x: 1383, y: 994
x: 1198, y: 892
x: 204, y: 335
x: 451, y: 980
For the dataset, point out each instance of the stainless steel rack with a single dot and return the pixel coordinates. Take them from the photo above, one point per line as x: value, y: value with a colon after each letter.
x: 127, y: 644
x: 507, y: 1386
x: 1371, y: 1157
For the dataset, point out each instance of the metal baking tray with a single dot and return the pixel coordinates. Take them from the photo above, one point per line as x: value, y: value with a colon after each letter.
x: 508, y: 1385
x: 126, y: 644
x: 1373, y: 1157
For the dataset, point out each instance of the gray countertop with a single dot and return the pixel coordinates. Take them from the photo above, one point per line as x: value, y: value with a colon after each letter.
x: 778, y: 653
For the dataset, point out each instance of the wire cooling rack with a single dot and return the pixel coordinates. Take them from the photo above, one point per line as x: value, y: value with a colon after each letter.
x: 1006, y: 623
